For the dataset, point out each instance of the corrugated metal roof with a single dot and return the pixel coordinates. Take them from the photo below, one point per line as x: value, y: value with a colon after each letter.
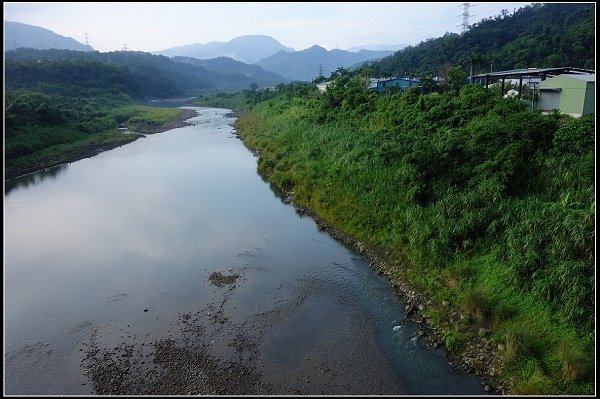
x: 585, y: 78
x: 525, y: 72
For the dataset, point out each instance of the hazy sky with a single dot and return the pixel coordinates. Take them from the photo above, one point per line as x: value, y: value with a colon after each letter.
x: 156, y: 26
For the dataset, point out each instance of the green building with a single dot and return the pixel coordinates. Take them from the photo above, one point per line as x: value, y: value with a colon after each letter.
x: 571, y: 94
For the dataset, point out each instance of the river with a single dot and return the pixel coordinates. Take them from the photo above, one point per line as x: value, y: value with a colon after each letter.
x: 169, y: 266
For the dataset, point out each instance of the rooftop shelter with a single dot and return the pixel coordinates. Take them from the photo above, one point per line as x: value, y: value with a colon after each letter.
x: 528, y: 73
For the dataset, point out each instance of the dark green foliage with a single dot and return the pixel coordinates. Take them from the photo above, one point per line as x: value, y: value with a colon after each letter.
x: 85, y: 77
x: 34, y: 121
x: 576, y: 137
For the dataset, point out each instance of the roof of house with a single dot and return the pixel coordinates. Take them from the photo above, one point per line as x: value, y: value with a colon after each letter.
x: 585, y: 78
x: 531, y: 72
x: 552, y: 82
x: 377, y: 80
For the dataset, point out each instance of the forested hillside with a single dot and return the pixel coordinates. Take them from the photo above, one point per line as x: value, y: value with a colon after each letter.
x: 137, y: 74
x: 537, y: 35
x: 226, y: 65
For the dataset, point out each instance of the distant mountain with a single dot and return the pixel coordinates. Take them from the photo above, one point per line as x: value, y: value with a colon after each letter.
x: 305, y: 65
x: 17, y: 35
x: 226, y: 65
x: 248, y: 49
x: 379, y: 47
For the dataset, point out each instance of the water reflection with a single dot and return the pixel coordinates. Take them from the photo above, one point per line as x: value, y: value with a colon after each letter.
x: 34, y: 178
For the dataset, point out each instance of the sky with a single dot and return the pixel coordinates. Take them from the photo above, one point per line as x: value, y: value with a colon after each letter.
x: 157, y: 26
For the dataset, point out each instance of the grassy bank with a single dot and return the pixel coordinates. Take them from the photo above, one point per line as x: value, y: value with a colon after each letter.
x: 32, y: 145
x: 223, y: 100
x: 485, y: 209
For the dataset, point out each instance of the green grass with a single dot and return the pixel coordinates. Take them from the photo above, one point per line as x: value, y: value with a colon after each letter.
x: 223, y: 100
x: 144, y: 114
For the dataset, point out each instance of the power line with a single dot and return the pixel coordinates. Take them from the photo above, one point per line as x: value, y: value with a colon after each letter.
x: 403, y: 28
x: 418, y: 28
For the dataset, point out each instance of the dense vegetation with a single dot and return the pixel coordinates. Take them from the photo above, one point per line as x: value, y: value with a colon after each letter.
x: 43, y: 130
x: 537, y: 35
x: 489, y: 207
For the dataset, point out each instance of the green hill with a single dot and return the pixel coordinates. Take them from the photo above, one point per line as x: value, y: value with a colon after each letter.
x: 137, y: 74
x: 538, y: 35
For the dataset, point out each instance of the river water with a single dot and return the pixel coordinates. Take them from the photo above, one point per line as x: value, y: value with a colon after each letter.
x: 124, y: 247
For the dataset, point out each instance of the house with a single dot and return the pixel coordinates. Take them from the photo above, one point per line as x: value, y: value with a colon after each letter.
x: 533, y: 76
x: 402, y: 83
x: 569, y: 93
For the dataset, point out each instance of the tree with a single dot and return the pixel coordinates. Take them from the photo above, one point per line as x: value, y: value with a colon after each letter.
x: 456, y: 77
x: 427, y: 83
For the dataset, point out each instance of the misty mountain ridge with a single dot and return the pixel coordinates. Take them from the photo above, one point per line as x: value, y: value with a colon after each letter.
x: 18, y: 35
x: 379, y: 47
x: 305, y: 65
x: 248, y: 49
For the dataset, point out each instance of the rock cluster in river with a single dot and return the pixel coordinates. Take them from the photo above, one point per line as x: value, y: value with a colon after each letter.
x: 182, y: 365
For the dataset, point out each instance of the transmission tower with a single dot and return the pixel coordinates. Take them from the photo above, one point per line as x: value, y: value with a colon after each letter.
x: 320, y: 70
x: 87, y: 41
x: 465, y: 15
x: 125, y: 47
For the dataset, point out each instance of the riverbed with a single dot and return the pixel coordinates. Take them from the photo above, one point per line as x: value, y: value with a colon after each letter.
x: 168, y: 266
